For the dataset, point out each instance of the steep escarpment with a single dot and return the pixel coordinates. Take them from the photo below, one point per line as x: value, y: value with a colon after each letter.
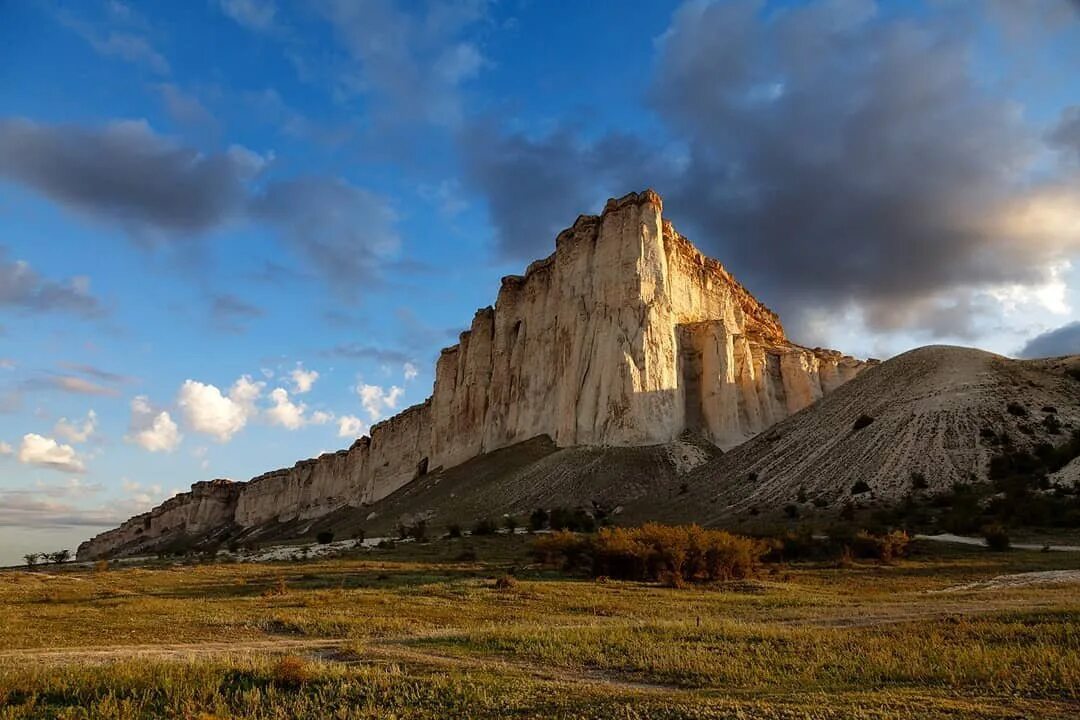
x: 625, y: 336
x: 206, y: 511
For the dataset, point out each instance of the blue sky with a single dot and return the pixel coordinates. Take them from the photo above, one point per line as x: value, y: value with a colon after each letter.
x: 235, y: 233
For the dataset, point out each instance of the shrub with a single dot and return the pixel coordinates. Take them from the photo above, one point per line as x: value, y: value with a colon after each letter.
x: 510, y: 522
x: 861, y: 422
x: 101, y: 566
x: 454, y: 530
x: 860, y: 487
x: 918, y: 481
x: 538, y: 519
x: 325, y: 537
x: 996, y: 537
x: 419, y: 531
x: 291, y: 672
x: 792, y: 511
x: 848, y: 511
x: 59, y: 557
x: 31, y: 560
x: 561, y: 547
x: 887, y: 547
x: 1016, y: 409
x: 576, y: 520
x: 485, y: 526
x: 1052, y: 424
x: 505, y: 582
x: 674, y: 554
x: 359, y: 535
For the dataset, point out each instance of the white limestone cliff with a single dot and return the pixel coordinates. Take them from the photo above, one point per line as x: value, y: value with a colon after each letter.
x: 626, y: 335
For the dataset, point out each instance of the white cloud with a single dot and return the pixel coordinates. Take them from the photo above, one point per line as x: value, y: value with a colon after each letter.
x: 410, y: 371
x: 351, y: 426
x: 140, y: 496
x: 378, y: 401
x: 5, y: 449
x: 303, y: 379
x: 285, y: 412
x: 46, y: 452
x: 200, y: 453
x: 253, y: 14
x: 208, y: 411
x: 151, y: 430
x: 290, y: 415
x: 76, y: 433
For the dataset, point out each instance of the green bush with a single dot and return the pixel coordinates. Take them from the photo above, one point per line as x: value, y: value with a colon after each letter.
x: 538, y: 519
x: 576, y: 520
x: 1016, y: 409
x: 485, y: 526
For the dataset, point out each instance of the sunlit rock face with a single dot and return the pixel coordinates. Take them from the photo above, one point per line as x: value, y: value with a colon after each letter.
x: 626, y: 335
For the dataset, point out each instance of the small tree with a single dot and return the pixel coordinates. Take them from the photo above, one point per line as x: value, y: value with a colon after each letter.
x: 325, y: 537
x: 485, y: 526
x: 60, y: 556
x: 538, y: 519
x: 453, y: 530
x: 31, y: 560
x: 510, y: 522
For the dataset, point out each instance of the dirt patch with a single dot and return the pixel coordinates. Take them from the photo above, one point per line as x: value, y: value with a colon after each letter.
x: 1021, y: 580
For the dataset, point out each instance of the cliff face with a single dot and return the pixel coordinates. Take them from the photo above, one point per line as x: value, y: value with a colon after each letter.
x: 626, y: 335
x: 208, y: 508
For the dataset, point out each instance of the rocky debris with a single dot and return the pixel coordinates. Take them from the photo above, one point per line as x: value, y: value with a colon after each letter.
x: 937, y: 413
x: 626, y: 336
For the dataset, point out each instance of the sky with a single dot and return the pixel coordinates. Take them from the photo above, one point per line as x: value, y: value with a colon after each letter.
x: 236, y: 233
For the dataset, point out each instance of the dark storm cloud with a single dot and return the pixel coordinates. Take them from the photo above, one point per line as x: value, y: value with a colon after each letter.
x: 125, y: 175
x: 23, y: 288
x: 357, y: 351
x: 1064, y: 340
x: 229, y: 313
x: 832, y: 158
x: 536, y: 187
x: 1066, y: 135
x: 345, y: 232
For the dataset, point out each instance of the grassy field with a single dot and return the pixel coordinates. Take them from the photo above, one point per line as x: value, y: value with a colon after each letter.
x: 419, y: 632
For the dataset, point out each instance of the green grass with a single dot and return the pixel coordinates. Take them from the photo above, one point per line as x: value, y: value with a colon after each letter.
x: 415, y: 633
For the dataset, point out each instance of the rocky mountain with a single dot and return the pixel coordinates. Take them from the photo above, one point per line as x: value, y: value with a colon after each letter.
x: 626, y: 336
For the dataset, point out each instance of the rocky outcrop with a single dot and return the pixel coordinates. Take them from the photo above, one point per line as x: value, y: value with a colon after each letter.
x: 627, y: 335
x: 192, y: 516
